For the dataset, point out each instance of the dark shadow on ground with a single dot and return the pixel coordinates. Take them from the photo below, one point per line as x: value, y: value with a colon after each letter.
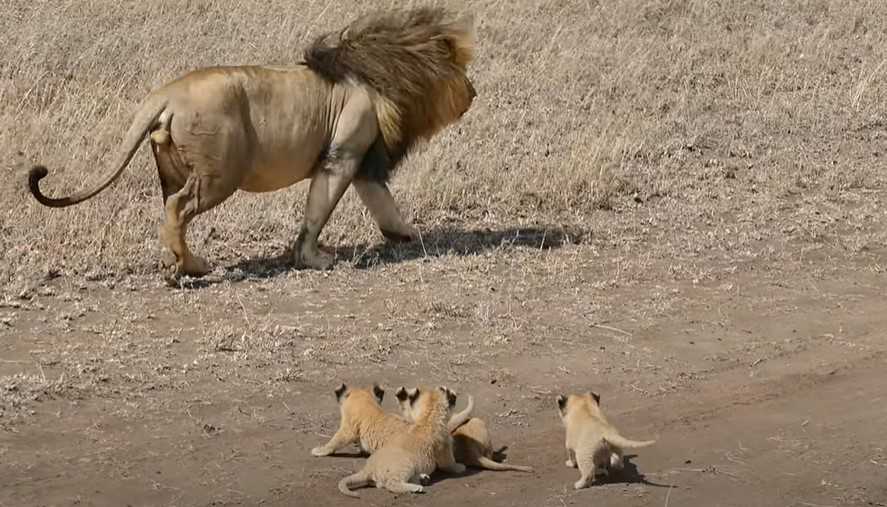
x: 453, y: 241
x: 434, y: 243
x: 628, y: 475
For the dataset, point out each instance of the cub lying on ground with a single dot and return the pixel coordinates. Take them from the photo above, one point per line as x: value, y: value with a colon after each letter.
x: 593, y: 444
x: 409, y: 457
x: 472, y: 444
x: 363, y: 421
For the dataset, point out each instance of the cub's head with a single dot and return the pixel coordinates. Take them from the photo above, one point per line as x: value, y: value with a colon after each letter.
x: 416, y: 402
x: 352, y: 395
x: 403, y: 396
x: 570, y: 403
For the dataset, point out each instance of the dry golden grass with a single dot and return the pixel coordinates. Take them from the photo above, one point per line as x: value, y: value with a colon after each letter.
x: 661, y: 119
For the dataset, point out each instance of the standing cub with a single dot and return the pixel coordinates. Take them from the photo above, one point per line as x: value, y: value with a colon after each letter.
x: 410, y: 457
x: 363, y: 420
x: 593, y: 444
x: 472, y: 444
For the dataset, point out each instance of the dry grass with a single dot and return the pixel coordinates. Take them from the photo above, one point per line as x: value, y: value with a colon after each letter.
x: 638, y: 119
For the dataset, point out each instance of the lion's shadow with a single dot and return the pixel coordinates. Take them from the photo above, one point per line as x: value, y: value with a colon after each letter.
x: 445, y: 241
x: 434, y: 243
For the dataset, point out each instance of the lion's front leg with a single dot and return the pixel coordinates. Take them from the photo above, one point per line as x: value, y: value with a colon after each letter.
x: 378, y: 200
x: 355, y: 131
x: 327, y: 187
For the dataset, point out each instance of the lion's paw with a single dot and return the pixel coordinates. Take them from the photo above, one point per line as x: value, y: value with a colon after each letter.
x: 195, y: 266
x: 314, y: 258
x: 406, y: 235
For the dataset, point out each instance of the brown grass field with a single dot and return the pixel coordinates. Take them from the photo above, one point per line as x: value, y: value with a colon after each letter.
x: 679, y: 204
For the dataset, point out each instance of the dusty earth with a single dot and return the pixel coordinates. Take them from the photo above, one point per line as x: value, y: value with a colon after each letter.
x: 763, y: 383
x: 680, y: 204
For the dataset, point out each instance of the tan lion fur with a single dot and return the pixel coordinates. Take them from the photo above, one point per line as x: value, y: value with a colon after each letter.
x: 358, y: 104
x: 362, y: 420
x: 593, y: 444
x: 411, y: 456
x: 472, y: 442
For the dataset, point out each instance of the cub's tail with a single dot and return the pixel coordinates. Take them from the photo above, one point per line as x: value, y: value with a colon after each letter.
x: 621, y: 441
x: 462, y: 417
x: 353, y: 481
x: 489, y: 464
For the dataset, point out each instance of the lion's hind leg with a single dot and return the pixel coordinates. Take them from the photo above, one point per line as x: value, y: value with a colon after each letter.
x: 181, y: 207
x: 201, y: 191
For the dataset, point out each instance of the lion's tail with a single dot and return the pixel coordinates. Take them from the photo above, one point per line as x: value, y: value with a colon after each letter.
x: 144, y: 120
x: 415, y: 61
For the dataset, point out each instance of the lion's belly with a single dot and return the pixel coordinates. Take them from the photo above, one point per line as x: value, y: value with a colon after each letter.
x: 283, y: 155
x: 270, y: 176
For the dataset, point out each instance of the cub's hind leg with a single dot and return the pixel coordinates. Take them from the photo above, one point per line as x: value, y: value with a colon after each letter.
x: 571, y: 459
x: 587, y: 469
x: 404, y: 487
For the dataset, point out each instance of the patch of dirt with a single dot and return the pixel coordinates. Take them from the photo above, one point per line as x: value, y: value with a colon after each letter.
x: 763, y: 384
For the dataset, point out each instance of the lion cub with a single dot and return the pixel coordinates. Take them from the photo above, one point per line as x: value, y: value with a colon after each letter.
x: 472, y: 444
x: 362, y: 420
x: 410, y: 457
x: 593, y: 444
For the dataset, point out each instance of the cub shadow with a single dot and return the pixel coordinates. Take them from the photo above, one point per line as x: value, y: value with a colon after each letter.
x: 348, y: 454
x: 628, y: 475
x: 434, y: 243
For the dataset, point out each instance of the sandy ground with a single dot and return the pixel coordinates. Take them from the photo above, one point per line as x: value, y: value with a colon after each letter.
x: 763, y: 385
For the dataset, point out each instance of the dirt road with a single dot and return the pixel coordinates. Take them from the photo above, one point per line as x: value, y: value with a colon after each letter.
x: 763, y: 386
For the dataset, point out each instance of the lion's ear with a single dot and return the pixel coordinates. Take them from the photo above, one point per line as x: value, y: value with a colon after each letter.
x: 340, y: 391
x: 596, y: 396
x: 401, y: 394
x: 378, y: 392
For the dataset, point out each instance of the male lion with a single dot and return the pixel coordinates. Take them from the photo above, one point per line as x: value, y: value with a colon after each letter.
x: 359, y: 103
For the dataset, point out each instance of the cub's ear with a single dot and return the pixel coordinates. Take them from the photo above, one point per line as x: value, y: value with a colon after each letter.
x: 451, y: 395
x: 340, y: 391
x: 596, y: 396
x: 378, y: 392
x: 401, y: 394
x: 413, y: 395
x: 562, y: 403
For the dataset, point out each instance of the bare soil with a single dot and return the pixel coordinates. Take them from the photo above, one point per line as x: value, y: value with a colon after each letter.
x: 764, y: 386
